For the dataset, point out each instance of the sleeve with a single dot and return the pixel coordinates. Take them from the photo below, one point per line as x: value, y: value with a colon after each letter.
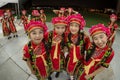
x: 87, y: 42
x: 108, y: 60
x: 115, y: 26
x: 26, y: 54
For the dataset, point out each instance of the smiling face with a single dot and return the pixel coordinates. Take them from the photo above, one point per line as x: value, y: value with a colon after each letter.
x: 59, y: 29
x: 74, y: 28
x: 112, y: 19
x: 100, y: 39
x: 36, y: 35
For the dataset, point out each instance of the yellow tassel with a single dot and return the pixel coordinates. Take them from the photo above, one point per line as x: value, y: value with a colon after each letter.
x: 87, y: 68
x: 56, y: 51
x: 74, y: 54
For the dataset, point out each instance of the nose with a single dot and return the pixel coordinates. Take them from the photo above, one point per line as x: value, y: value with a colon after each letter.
x: 99, y: 41
x: 37, y: 35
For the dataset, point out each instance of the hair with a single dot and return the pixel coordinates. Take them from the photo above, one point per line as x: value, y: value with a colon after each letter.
x: 90, y: 52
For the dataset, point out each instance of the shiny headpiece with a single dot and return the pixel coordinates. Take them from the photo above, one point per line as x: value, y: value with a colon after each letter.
x: 99, y: 28
x: 77, y: 18
x: 59, y: 21
x: 36, y: 24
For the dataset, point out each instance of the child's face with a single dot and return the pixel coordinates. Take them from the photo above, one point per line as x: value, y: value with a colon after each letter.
x: 74, y: 28
x: 36, y: 35
x: 112, y: 19
x: 59, y: 29
x: 100, y: 40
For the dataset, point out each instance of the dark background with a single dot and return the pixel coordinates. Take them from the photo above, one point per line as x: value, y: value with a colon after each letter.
x: 76, y: 3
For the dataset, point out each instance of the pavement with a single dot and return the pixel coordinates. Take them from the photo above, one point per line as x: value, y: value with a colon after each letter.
x: 12, y: 67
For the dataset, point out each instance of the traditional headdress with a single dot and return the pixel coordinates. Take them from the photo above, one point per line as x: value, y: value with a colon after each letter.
x: 113, y: 16
x: 36, y: 24
x: 77, y: 18
x: 95, y: 29
x: 59, y: 21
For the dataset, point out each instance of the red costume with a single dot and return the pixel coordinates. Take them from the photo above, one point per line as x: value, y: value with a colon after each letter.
x: 113, y: 27
x: 24, y: 19
x: 11, y: 24
x: 56, y: 43
x: 5, y: 28
x: 77, y: 44
x: 36, y: 54
x: 96, y: 57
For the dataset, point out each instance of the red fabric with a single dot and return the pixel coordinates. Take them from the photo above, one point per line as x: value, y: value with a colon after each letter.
x: 39, y: 63
x: 6, y: 30
x: 95, y: 67
x: 24, y: 19
x: 70, y: 65
x: 55, y: 62
x: 11, y: 25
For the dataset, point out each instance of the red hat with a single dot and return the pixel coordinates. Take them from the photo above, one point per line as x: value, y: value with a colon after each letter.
x: 59, y: 21
x: 98, y: 29
x: 113, y: 16
x: 36, y: 24
x: 77, y: 18
x: 35, y: 13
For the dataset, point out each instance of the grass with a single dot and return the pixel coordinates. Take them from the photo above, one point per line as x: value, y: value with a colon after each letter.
x: 90, y: 17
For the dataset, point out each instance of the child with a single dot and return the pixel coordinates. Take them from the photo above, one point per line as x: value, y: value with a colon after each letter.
x: 113, y: 28
x: 35, y: 15
x: 99, y: 56
x: 42, y: 16
x: 56, y: 43
x: 11, y: 23
x: 5, y: 28
x: 78, y: 42
x: 35, y: 50
x: 24, y: 19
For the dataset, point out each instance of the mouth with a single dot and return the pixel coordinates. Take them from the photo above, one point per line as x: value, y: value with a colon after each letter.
x: 37, y: 39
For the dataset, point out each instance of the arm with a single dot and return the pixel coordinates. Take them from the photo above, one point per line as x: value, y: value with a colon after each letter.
x: 113, y: 35
x: 30, y: 66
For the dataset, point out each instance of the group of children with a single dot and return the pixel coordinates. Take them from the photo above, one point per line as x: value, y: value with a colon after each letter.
x: 67, y: 47
x: 8, y: 26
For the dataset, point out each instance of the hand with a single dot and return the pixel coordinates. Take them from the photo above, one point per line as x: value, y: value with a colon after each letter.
x: 33, y: 72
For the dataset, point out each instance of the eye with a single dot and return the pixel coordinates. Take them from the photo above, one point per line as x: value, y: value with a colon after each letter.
x: 34, y: 33
x: 41, y: 32
x: 101, y: 36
